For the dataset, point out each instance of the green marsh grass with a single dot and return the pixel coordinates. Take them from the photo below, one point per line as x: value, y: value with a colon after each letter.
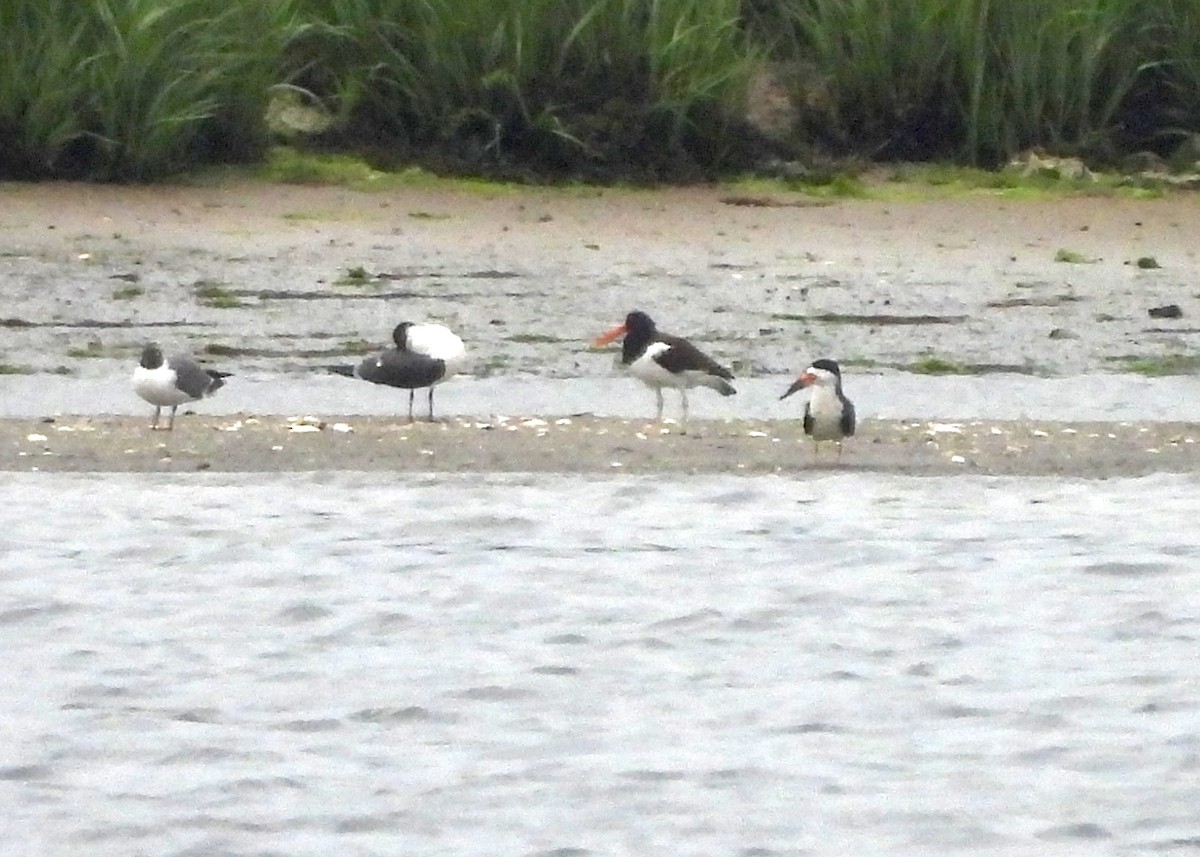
x: 872, y: 74
x: 490, y: 82
x: 982, y: 81
x: 135, y: 89
x: 591, y: 89
x: 1045, y: 74
x: 1174, y: 31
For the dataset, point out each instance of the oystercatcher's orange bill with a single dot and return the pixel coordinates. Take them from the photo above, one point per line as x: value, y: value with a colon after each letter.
x: 619, y: 330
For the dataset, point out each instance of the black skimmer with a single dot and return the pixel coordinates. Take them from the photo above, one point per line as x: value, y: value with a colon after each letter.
x: 172, y: 381
x: 828, y: 414
x: 661, y: 360
x: 424, y: 356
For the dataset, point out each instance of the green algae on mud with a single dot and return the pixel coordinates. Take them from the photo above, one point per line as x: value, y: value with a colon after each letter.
x: 839, y: 181
x: 1158, y: 366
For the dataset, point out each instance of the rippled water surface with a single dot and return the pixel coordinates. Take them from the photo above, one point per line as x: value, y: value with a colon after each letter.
x: 365, y: 665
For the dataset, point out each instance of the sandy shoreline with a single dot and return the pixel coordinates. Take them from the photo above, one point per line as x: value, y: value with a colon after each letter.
x: 593, y: 445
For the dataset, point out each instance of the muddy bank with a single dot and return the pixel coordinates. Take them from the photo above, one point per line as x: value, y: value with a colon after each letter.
x: 593, y: 445
x: 278, y: 279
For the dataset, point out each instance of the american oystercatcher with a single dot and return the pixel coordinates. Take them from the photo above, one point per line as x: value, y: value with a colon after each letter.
x: 828, y: 414
x: 661, y: 360
x: 424, y: 356
x: 172, y: 381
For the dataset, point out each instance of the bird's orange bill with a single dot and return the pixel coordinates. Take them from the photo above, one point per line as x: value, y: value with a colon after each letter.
x: 800, y: 383
x: 619, y: 330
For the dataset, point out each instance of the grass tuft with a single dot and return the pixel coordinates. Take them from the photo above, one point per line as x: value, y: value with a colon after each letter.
x: 91, y: 349
x: 931, y: 364
x: 535, y: 338
x: 128, y: 293
x: 355, y: 276
x: 216, y: 295
x: 1155, y: 367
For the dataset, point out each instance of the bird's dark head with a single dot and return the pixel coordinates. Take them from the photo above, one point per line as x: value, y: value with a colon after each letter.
x: 639, y: 323
x: 400, y: 335
x: 827, y: 365
x: 152, y: 356
x: 638, y: 326
x: 822, y: 373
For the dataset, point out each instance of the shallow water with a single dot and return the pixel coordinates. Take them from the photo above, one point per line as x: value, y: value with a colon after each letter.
x: 880, y: 396
x: 350, y: 664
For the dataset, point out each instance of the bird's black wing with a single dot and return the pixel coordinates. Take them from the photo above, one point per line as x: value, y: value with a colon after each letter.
x: 193, y: 378
x: 683, y: 356
x: 405, y: 369
x: 848, y: 420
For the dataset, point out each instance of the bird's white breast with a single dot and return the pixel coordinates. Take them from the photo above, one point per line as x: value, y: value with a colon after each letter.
x: 646, y: 368
x: 157, y: 386
x: 825, y: 408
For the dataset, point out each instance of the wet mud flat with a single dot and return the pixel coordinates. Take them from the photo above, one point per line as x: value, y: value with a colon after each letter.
x: 280, y: 279
x: 593, y: 445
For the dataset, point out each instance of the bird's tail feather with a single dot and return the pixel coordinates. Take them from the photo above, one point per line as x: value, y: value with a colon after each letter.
x: 217, y: 379
x: 720, y: 385
x: 341, y: 369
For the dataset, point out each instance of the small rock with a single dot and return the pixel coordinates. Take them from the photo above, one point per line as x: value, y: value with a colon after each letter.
x: 1035, y: 163
x: 1186, y: 154
x: 1143, y: 162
